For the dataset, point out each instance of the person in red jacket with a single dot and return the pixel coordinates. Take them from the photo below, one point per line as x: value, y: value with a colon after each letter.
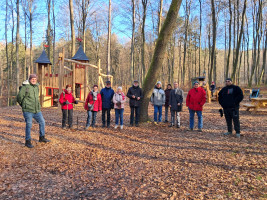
x: 66, y: 100
x: 195, y: 100
x: 93, y: 104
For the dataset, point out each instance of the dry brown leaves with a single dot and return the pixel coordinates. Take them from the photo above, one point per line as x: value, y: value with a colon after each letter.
x: 146, y: 162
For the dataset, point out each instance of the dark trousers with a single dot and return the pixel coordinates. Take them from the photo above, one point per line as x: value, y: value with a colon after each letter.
x: 65, y: 114
x: 136, y: 111
x: 232, y: 115
x: 104, y: 111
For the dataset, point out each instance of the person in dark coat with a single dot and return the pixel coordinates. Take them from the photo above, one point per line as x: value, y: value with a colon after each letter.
x: 135, y: 94
x: 212, y: 88
x: 107, y: 103
x: 175, y: 103
x: 229, y: 98
x: 167, y: 99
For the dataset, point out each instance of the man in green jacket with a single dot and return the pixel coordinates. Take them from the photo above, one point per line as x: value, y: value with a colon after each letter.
x: 28, y: 99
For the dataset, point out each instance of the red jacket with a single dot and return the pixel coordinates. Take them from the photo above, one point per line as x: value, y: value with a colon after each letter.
x: 97, y: 103
x: 65, y: 96
x: 196, y: 98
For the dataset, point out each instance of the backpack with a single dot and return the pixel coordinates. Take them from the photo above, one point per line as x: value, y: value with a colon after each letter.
x: 26, y: 93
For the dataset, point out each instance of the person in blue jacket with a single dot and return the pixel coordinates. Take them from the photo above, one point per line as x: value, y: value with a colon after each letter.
x: 107, y: 104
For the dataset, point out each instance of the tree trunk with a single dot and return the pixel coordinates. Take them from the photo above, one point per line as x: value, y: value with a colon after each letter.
x: 230, y: 42
x: 133, y: 40
x: 54, y: 37
x: 25, y: 47
x: 160, y: 15
x: 200, y: 31
x: 108, y: 43
x: 213, y: 40
x: 48, y: 33
x: 158, y: 57
x: 72, y: 43
x: 17, y: 51
x: 144, y: 3
x: 7, y: 57
x: 239, y: 43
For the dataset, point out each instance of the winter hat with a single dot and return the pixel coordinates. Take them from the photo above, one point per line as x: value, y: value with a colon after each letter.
x: 119, y: 88
x: 136, y: 81
x: 95, y: 86
x: 196, y: 82
x: 32, y: 76
x: 108, y: 82
x: 159, y: 82
x: 229, y: 79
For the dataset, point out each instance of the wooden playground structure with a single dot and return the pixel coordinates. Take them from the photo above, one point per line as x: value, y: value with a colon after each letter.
x: 52, y: 85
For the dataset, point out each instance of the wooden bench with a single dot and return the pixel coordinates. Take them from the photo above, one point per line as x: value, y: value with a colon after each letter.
x: 249, y: 106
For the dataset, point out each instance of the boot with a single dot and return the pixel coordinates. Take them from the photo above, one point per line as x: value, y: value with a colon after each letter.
x: 171, y: 125
x: 43, y: 139
x: 28, y: 144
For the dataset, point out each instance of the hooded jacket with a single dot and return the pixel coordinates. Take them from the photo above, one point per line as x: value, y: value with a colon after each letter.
x: 167, y: 96
x: 28, y: 97
x: 65, y: 96
x: 230, y: 96
x: 97, y: 103
x: 137, y: 92
x: 196, y: 98
x: 158, y: 97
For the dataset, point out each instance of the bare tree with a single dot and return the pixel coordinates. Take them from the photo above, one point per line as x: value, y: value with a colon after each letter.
x: 158, y: 57
x: 109, y: 39
x: 214, y: 34
x: 17, y: 49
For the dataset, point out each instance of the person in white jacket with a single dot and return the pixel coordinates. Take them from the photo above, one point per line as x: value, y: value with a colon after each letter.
x: 158, y: 100
x: 119, y: 99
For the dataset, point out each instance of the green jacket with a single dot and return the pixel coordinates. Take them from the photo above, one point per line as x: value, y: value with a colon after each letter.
x: 28, y: 97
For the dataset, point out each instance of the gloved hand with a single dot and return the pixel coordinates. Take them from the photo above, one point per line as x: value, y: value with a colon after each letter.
x: 118, y: 103
x: 67, y: 102
x: 75, y: 102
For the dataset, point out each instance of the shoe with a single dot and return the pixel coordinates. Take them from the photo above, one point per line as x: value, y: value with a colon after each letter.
x: 93, y: 126
x: 166, y: 121
x: 228, y: 133
x: 171, y: 125
x: 103, y: 125
x: 190, y: 129
x: 108, y: 126
x: 178, y: 126
x: 28, y: 144
x: 43, y: 139
x: 199, y: 130
x: 116, y: 126
x: 237, y: 135
x: 64, y: 128
x: 137, y: 125
x: 156, y: 123
x: 121, y: 127
x: 87, y: 127
x: 131, y: 125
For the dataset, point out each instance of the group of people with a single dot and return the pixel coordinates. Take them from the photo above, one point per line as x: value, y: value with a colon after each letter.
x: 105, y: 100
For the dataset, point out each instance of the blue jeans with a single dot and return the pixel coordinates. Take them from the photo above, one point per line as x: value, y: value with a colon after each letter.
x: 157, y: 109
x: 28, y: 119
x: 91, y: 115
x: 119, y: 115
x: 200, y: 118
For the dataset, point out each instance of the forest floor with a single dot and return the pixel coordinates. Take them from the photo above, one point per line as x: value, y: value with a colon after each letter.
x: 146, y: 162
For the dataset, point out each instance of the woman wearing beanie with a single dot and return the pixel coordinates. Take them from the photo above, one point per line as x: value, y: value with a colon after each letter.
x: 119, y: 99
x: 93, y: 104
x: 66, y: 100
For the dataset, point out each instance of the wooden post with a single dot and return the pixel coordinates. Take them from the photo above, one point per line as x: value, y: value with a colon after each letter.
x: 60, y: 74
x: 42, y: 87
x: 85, y: 83
x: 99, y: 72
x: 73, y: 77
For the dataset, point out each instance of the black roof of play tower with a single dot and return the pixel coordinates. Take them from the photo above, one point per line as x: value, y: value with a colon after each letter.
x: 43, y: 59
x: 80, y: 55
